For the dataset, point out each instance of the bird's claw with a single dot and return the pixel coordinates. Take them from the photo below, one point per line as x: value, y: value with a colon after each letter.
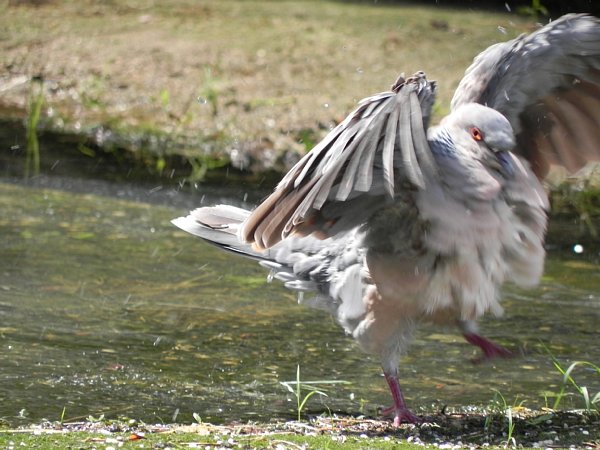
x: 490, y: 349
x: 401, y: 416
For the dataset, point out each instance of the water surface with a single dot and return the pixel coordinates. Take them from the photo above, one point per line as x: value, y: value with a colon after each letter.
x: 106, y: 308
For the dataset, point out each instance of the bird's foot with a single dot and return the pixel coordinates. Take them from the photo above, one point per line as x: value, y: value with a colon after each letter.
x: 490, y: 349
x: 399, y: 411
x: 401, y: 416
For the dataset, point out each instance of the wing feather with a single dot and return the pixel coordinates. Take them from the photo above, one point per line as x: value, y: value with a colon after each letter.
x: 268, y: 232
x: 389, y: 142
x: 315, y: 157
x: 419, y: 137
x: 567, y: 133
x: 409, y: 159
x: 349, y: 177
x: 384, y: 139
x: 364, y: 177
x: 537, y: 81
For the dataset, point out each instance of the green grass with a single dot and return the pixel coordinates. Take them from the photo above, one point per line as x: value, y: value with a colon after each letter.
x: 87, y: 440
x: 304, y: 390
x: 36, y: 101
x: 499, y: 406
x: 591, y: 401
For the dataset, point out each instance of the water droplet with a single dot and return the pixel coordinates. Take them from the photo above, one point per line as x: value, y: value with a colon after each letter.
x: 270, y: 276
x: 325, y: 105
x: 202, y: 100
x: 300, y: 297
x: 359, y: 70
x: 578, y: 248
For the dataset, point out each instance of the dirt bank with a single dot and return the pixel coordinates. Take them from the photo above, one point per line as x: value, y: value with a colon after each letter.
x: 247, y: 82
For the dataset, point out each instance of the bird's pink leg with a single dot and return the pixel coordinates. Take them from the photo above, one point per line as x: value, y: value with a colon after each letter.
x: 400, y: 411
x: 490, y: 349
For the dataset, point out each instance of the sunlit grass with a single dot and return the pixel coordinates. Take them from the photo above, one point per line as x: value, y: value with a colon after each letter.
x: 304, y: 390
x: 36, y: 101
x: 591, y: 401
x: 500, y: 406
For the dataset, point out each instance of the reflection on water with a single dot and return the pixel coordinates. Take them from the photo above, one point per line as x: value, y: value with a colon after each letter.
x: 107, y: 308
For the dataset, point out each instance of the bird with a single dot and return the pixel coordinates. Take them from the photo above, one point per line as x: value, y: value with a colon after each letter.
x: 390, y: 222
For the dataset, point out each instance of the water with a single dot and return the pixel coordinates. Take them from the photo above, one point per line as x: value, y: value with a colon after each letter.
x: 106, y: 308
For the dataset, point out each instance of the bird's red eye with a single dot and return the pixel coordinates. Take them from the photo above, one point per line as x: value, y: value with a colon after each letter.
x: 476, y: 134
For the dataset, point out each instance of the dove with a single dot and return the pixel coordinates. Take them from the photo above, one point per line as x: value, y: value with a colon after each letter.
x: 389, y: 222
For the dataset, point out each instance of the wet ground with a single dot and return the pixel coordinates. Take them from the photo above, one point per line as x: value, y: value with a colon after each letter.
x: 106, y: 308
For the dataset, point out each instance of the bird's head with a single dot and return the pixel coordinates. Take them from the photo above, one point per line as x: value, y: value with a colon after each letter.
x: 483, y: 132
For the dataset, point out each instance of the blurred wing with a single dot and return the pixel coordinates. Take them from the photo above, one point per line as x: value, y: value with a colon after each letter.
x: 357, y: 168
x: 547, y: 84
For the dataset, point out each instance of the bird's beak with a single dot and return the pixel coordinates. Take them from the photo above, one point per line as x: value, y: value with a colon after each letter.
x: 502, y: 162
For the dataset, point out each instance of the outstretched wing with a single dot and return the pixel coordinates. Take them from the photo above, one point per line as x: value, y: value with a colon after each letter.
x: 547, y: 84
x: 355, y: 170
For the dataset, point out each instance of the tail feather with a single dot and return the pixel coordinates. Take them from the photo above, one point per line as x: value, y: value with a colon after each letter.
x: 328, y: 268
x: 292, y: 261
x: 219, y: 225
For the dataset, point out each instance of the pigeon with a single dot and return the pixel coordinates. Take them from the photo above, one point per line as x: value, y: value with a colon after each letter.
x: 389, y: 222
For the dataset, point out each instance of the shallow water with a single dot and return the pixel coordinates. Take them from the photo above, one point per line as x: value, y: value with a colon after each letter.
x: 106, y: 308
